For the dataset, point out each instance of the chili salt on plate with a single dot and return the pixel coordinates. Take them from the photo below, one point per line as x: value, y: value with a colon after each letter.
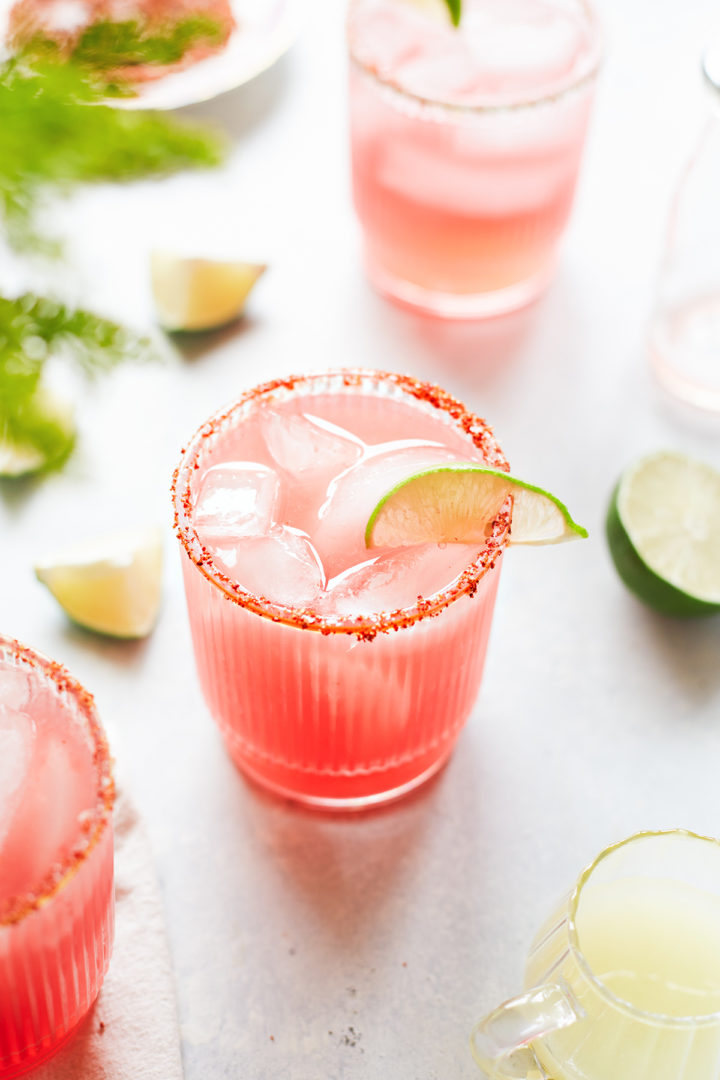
x: 263, y: 31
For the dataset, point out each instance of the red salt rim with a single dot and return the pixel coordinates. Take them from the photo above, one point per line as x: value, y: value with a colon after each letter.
x: 363, y: 626
x: 94, y: 821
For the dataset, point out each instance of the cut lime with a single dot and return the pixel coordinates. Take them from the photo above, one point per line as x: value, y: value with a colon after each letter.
x: 200, y: 294
x: 112, y: 585
x: 663, y: 530
x: 458, y: 503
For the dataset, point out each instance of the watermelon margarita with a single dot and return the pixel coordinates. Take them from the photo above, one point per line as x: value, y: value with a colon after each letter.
x: 56, y: 857
x: 338, y: 675
x: 466, y: 145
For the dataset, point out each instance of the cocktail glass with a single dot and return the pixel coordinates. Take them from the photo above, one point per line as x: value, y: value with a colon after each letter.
x: 624, y: 978
x: 318, y: 703
x: 466, y: 145
x: 56, y: 857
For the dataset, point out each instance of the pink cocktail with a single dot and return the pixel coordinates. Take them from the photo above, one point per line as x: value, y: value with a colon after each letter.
x: 56, y: 857
x: 466, y: 145
x: 338, y: 675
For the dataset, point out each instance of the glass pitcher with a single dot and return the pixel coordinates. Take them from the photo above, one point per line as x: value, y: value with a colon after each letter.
x: 623, y: 981
x: 684, y: 338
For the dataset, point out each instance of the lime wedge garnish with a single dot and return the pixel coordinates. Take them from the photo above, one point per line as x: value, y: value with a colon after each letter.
x: 458, y: 503
x: 440, y: 9
x: 454, y: 7
x: 112, y: 585
x: 663, y: 530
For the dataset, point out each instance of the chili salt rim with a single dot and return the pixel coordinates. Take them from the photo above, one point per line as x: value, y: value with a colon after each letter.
x: 90, y: 832
x: 363, y: 626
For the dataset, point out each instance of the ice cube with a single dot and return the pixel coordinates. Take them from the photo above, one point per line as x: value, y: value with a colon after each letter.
x: 308, y: 447
x: 237, y: 498
x: 382, y: 38
x: 395, y: 579
x: 14, y: 688
x: 340, y: 534
x: 522, y: 47
x: 17, y: 732
x: 282, y: 566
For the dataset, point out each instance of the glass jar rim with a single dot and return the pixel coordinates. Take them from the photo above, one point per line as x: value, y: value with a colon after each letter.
x: 711, y: 66
x: 587, y: 75
x: 655, y: 1019
x: 363, y: 626
x: 89, y: 836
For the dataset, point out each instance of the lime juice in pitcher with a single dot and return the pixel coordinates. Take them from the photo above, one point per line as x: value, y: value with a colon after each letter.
x: 624, y: 980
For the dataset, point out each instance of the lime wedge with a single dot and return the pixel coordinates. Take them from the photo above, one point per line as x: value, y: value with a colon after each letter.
x: 663, y: 530
x: 458, y: 503
x: 112, y: 585
x: 200, y: 294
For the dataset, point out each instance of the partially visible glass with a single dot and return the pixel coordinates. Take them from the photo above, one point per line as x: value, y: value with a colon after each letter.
x: 685, y: 326
x: 56, y: 857
x: 466, y: 145
x: 623, y: 979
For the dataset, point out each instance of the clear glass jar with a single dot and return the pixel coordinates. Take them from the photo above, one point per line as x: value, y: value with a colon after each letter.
x: 685, y: 326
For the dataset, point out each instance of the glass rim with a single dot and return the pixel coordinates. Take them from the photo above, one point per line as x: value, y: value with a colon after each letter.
x: 586, y: 76
x: 362, y: 626
x: 52, y: 672
x: 659, y: 1019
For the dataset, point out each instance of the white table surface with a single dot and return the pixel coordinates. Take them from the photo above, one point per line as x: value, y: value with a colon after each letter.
x: 311, y: 947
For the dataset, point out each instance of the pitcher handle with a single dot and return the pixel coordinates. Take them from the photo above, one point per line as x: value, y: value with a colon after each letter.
x: 500, y: 1041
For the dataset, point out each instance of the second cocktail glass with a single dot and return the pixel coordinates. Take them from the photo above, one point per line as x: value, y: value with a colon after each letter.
x: 56, y: 857
x: 466, y: 145
x: 338, y: 676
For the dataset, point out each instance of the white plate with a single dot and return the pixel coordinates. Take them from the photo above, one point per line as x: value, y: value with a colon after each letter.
x: 264, y: 30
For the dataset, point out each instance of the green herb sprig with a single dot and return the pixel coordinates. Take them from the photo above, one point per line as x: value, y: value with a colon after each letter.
x: 33, y: 329
x: 51, y: 140
x: 105, y: 46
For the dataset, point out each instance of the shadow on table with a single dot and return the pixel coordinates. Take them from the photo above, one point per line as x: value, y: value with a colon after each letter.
x: 688, y: 649
x: 473, y: 348
x: 239, y: 111
x: 123, y: 652
x: 195, y: 344
x: 354, y: 873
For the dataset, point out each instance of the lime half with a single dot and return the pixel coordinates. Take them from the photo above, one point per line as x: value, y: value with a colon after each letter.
x: 458, y: 503
x: 663, y: 530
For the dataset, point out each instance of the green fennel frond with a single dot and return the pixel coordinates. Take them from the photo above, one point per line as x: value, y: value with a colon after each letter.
x: 56, y: 132
x: 32, y: 329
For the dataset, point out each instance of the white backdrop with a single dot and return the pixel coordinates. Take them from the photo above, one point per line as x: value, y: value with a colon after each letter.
x: 315, y: 947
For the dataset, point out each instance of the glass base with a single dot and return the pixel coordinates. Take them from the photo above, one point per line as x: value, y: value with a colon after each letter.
x: 689, y: 388
x: 12, y: 1072
x: 345, y: 793
x: 447, y: 305
x: 684, y: 341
